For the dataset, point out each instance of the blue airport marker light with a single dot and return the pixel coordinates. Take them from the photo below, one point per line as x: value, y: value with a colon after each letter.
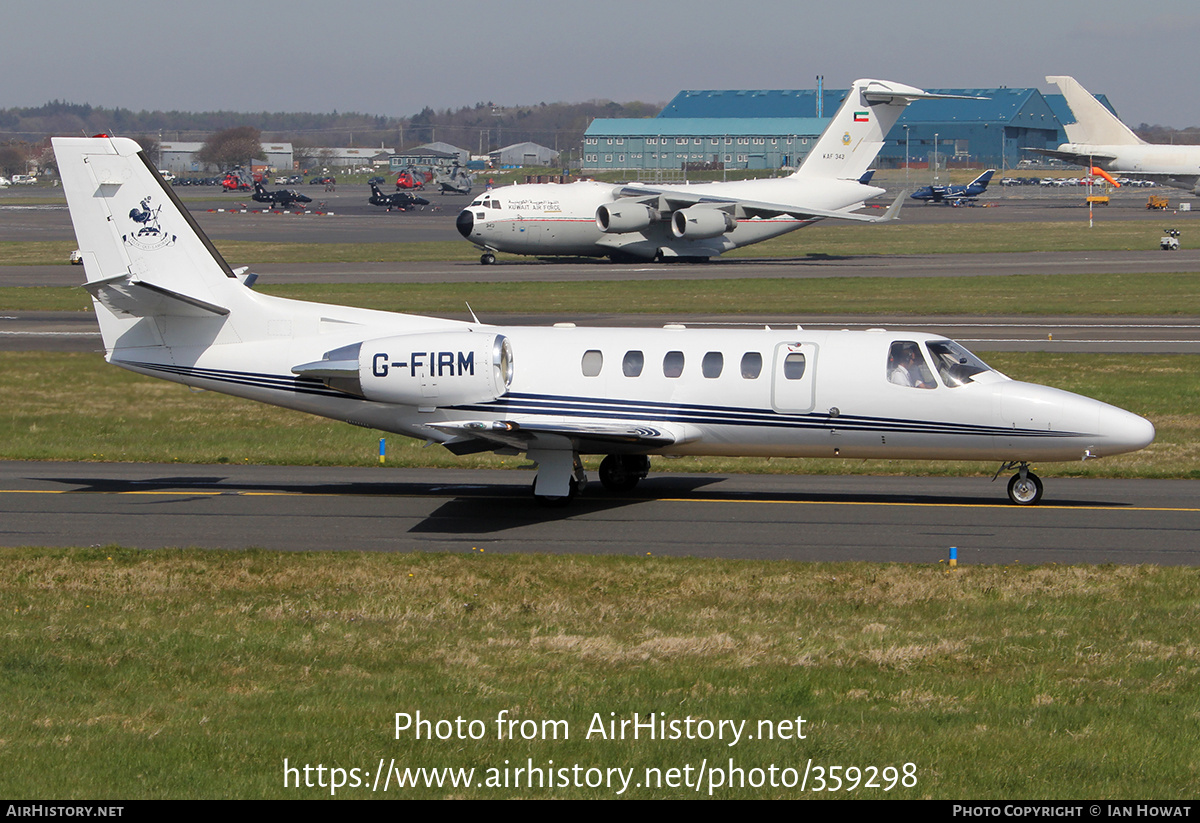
x: 382, y: 450
x: 953, y: 555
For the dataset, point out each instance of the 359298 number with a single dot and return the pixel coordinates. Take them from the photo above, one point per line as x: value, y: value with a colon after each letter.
x: 851, y: 778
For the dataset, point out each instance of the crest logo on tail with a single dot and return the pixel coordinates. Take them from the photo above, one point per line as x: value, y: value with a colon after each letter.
x: 150, y: 236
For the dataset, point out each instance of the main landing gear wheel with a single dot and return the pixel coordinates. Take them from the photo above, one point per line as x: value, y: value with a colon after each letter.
x: 621, y: 472
x: 487, y: 258
x: 552, y: 502
x: 1025, y: 488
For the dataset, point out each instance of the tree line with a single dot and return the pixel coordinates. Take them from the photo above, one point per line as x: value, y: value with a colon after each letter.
x: 479, y: 128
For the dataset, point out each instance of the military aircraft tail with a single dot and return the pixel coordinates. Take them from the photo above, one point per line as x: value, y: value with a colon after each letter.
x: 853, y: 138
x: 1094, y: 123
x: 154, y: 276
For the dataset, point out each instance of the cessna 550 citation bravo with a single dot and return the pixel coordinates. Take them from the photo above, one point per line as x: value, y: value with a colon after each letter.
x: 650, y: 222
x: 169, y: 306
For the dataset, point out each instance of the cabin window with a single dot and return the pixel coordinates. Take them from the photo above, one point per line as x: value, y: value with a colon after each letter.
x: 673, y: 364
x: 593, y: 361
x: 906, y: 366
x: 793, y: 366
x: 712, y: 364
x: 954, y: 363
x: 632, y: 364
x: 751, y: 365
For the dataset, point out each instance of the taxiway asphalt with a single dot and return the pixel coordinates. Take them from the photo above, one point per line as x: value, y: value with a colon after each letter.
x: 879, y: 519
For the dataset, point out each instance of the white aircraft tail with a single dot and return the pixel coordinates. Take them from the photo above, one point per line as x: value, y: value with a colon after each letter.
x: 155, y: 278
x: 852, y: 140
x: 1093, y: 123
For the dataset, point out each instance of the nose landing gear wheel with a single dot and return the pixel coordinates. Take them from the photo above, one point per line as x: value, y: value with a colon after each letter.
x: 487, y: 258
x: 1025, y: 489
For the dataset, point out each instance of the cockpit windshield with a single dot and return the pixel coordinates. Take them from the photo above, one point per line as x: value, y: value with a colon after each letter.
x: 955, y: 365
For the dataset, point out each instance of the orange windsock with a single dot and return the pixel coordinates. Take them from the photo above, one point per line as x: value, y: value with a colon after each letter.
x: 1106, y: 176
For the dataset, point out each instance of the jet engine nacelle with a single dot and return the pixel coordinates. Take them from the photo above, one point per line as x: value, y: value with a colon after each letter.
x: 700, y: 223
x: 436, y: 368
x: 624, y: 216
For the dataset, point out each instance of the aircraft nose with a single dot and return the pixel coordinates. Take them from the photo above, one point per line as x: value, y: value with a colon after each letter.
x: 1124, y: 431
x: 465, y: 223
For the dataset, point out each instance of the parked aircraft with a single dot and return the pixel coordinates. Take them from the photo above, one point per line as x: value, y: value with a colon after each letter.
x: 652, y: 222
x: 169, y: 306
x: 458, y: 181
x: 284, y: 198
x: 235, y: 181
x: 955, y: 195
x: 1097, y: 138
x: 400, y: 200
x: 412, y: 178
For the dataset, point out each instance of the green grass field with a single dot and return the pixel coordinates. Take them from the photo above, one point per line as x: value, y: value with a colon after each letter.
x: 187, y: 674
x: 1066, y: 294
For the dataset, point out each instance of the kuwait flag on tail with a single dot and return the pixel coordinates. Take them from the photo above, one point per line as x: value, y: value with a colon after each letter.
x: 860, y: 117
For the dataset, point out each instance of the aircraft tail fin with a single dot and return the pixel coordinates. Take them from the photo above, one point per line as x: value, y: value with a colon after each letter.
x: 1093, y: 122
x: 853, y: 138
x: 156, y: 279
x: 982, y: 180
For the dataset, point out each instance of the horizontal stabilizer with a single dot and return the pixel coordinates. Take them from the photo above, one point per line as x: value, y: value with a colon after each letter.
x: 137, y: 298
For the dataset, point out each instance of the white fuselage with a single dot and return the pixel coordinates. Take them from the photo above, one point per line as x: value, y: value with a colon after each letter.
x: 843, y: 404
x: 1177, y: 166
x: 560, y: 219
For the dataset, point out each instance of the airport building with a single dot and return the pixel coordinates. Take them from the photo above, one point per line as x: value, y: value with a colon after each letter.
x: 700, y: 142
x: 180, y: 157
x: 426, y: 156
x: 523, y: 154
x: 776, y: 128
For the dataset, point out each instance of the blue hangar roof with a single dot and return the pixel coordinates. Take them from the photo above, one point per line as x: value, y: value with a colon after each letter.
x: 732, y: 126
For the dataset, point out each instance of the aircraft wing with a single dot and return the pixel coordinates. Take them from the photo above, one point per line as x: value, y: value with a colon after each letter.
x: 1078, y: 158
x: 516, y: 434
x: 666, y: 199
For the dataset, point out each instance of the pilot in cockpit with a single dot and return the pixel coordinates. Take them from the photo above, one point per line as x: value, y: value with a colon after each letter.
x: 906, y: 366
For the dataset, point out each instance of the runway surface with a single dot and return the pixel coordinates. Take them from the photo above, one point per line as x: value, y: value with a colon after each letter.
x: 892, y: 519
x: 795, y: 268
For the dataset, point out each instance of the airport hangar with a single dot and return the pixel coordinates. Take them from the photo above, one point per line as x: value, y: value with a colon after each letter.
x: 772, y: 129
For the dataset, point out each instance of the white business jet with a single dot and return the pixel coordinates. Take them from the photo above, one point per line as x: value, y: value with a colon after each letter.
x: 169, y: 306
x: 1098, y: 138
x: 650, y: 222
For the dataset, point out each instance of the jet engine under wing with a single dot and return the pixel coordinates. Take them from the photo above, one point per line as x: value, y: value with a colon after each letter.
x: 670, y: 200
x: 516, y: 434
